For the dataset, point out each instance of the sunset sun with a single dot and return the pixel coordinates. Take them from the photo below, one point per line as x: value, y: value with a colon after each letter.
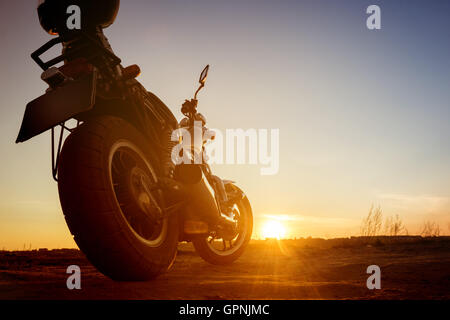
x: 273, y: 229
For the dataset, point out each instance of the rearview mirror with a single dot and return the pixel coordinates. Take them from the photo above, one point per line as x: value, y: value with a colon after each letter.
x: 204, y: 75
x: 202, y: 80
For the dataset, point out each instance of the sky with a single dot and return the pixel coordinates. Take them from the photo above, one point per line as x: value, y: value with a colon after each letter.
x: 363, y: 115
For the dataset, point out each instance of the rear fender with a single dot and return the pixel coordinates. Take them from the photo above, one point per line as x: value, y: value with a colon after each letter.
x: 57, y: 106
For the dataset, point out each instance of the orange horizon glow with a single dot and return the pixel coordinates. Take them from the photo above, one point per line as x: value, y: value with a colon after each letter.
x: 273, y: 229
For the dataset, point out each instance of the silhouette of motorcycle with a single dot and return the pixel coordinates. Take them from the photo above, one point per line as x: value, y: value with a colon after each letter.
x: 126, y: 201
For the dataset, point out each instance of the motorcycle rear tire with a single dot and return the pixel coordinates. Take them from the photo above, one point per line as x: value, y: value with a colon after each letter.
x: 91, y: 207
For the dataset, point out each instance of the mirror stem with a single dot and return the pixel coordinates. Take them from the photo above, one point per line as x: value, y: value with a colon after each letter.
x: 196, y: 92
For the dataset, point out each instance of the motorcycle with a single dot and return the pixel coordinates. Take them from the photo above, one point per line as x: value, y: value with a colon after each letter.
x: 126, y: 202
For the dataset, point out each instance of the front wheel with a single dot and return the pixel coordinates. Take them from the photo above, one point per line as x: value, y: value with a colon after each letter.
x: 225, y: 249
x: 106, y: 179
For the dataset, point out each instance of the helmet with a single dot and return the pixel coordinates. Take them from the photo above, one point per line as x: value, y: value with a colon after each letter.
x: 99, y: 13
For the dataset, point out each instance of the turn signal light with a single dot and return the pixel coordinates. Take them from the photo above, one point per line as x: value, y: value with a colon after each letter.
x: 131, y: 72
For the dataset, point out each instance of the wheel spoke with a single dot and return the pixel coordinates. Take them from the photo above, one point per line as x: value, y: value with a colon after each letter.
x: 115, y: 168
x: 131, y: 174
x: 126, y: 161
x: 139, y: 228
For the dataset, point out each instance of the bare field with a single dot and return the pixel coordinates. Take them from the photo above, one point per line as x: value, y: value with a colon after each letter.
x: 411, y: 268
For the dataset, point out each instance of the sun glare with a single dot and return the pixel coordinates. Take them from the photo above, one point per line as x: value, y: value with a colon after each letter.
x: 273, y: 229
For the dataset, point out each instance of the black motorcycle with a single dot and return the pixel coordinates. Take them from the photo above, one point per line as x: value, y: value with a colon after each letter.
x: 126, y: 202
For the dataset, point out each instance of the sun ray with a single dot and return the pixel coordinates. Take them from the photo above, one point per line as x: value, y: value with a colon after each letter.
x: 273, y: 229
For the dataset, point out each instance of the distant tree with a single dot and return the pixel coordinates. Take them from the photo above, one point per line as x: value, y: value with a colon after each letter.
x: 393, y: 226
x: 388, y: 225
x: 430, y: 229
x: 371, y: 225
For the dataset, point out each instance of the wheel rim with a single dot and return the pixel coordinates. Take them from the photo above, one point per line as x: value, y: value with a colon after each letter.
x: 225, y: 247
x: 132, y: 178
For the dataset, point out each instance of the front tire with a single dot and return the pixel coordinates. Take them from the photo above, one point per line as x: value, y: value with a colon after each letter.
x: 104, y: 167
x: 226, y: 250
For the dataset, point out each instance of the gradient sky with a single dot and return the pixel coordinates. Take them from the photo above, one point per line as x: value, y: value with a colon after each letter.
x: 363, y: 115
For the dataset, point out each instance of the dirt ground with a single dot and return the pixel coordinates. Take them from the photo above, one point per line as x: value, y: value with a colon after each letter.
x: 411, y: 268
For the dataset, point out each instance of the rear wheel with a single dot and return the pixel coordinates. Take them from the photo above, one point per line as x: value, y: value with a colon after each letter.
x: 224, y: 248
x: 106, y: 179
